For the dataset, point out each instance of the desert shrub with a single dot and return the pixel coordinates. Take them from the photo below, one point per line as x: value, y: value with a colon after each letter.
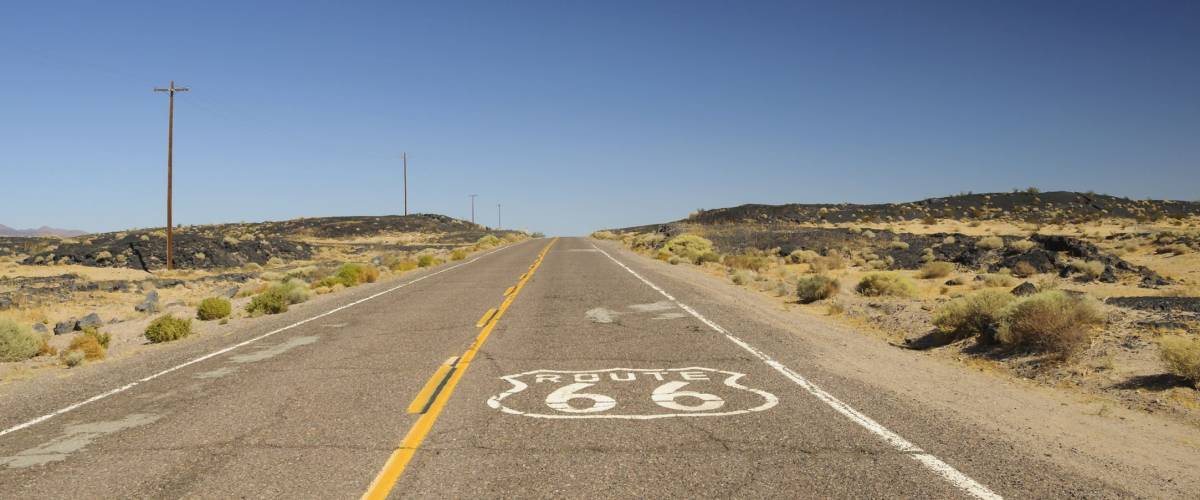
x: 741, y: 277
x: 403, y: 265
x: 1176, y: 249
x: 1089, y: 269
x: 1023, y: 269
x: 17, y: 341
x: 487, y: 241
x: 709, y: 257
x: 949, y: 240
x: 935, y: 270
x: 167, y: 328
x: 974, y: 315
x: 689, y: 247
x: 816, y: 287
x: 1182, y: 357
x: 271, y: 301
x: 296, y: 291
x: 886, y: 284
x: 427, y: 261
x: 350, y: 274
x: 827, y: 263
x: 989, y: 243
x: 1052, y: 322
x: 647, y: 240
x: 898, y: 245
x: 458, y: 254
x: 72, y: 358
x: 44, y: 347
x: 1021, y: 245
x: 213, y: 308
x: 802, y: 256
x: 102, y: 338
x: 747, y: 261
x: 998, y: 279
x: 89, y: 345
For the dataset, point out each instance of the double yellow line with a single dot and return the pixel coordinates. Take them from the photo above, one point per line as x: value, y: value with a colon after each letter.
x: 433, y: 397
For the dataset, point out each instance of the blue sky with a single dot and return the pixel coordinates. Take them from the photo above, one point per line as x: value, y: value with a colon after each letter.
x: 583, y: 115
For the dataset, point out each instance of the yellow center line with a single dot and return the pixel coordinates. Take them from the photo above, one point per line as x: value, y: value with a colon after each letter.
x: 486, y: 316
x: 422, y: 400
x: 394, y: 467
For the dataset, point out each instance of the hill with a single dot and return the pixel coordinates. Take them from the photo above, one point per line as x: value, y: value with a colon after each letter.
x: 1058, y: 207
x: 43, y: 231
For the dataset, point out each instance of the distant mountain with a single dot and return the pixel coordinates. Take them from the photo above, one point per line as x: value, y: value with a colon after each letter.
x: 41, y: 231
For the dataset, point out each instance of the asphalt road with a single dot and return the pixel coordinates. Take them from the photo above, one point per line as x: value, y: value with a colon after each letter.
x: 598, y: 377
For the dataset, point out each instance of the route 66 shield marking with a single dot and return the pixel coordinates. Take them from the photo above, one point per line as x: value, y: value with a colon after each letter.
x: 630, y: 393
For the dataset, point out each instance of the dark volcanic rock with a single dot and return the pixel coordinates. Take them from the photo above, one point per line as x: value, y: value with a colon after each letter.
x: 1158, y: 304
x: 91, y: 320
x: 1024, y: 289
x: 64, y: 327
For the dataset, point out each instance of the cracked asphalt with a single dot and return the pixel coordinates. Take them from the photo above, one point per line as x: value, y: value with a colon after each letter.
x: 557, y: 403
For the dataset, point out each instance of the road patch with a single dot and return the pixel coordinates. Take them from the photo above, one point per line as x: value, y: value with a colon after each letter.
x: 630, y: 393
x: 74, y: 438
x: 266, y: 352
x: 601, y: 315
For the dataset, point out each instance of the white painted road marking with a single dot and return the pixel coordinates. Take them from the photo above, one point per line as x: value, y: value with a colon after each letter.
x: 950, y: 474
x: 661, y: 393
x: 219, y: 352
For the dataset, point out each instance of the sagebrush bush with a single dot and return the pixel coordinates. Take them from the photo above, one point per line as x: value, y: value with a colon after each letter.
x: 271, y: 301
x: 350, y: 274
x: 826, y: 263
x: 978, y: 315
x: 487, y: 241
x: 17, y: 341
x: 898, y: 245
x: 1022, y: 245
x: 458, y: 254
x: 816, y: 287
x: 990, y: 243
x: 1182, y: 357
x: 102, y: 338
x: 89, y: 345
x: 746, y: 261
x: 998, y: 279
x: 1089, y: 269
x: 167, y: 328
x: 689, y: 247
x: 802, y: 256
x: 741, y: 277
x: 1053, y: 322
x: 297, y: 291
x: 404, y: 265
x: 886, y: 284
x: 935, y: 269
x: 72, y: 358
x: 213, y: 308
x: 605, y: 235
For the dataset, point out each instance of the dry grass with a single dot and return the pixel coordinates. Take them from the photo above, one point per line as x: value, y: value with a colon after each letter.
x: 1182, y: 357
x: 886, y: 284
x: 933, y: 270
x: 816, y: 287
x: 1052, y: 322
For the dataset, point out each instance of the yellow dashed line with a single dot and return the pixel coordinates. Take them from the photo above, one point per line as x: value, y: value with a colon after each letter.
x: 486, y: 316
x: 422, y: 401
x: 394, y: 467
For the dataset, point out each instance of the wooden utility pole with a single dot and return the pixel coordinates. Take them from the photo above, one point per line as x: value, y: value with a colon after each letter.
x: 473, y: 208
x: 405, y: 156
x: 170, y: 170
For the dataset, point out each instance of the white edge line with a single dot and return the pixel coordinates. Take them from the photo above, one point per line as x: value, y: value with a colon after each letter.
x: 950, y: 474
x: 219, y: 352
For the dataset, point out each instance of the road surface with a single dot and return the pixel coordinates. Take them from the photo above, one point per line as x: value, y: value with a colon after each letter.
x: 551, y: 368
